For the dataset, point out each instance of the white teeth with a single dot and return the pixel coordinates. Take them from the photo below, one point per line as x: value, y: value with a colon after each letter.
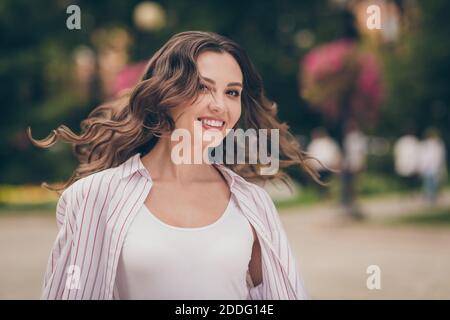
x: 212, y: 123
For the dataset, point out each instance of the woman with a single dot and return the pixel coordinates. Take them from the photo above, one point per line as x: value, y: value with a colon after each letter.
x: 136, y: 224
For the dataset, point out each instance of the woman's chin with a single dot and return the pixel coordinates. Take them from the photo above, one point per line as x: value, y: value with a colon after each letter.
x: 212, y: 138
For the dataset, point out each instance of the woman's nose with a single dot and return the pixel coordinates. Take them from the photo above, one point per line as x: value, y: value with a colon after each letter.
x: 217, y: 103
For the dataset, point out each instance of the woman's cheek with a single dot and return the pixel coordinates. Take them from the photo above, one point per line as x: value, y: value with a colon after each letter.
x: 236, y: 116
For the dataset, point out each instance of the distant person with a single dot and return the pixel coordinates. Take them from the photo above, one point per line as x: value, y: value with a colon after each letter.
x: 406, y: 155
x: 354, y: 161
x: 432, y: 164
x: 356, y: 147
x: 325, y: 149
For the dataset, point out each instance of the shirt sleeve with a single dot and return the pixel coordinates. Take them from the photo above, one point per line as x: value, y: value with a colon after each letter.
x: 58, y: 262
x: 280, y: 243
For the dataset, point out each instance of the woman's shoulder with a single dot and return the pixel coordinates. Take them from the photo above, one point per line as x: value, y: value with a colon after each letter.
x: 95, y: 182
x: 107, y: 180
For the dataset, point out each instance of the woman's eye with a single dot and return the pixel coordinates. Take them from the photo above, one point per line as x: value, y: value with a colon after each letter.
x: 234, y: 93
x: 203, y: 88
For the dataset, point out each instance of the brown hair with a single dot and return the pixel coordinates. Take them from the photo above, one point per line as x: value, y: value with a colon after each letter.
x: 116, y: 130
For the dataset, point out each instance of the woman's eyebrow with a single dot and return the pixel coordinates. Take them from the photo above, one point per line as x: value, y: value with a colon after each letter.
x: 228, y: 85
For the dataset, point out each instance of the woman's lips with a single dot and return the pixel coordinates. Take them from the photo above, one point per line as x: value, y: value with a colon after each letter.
x: 211, y: 124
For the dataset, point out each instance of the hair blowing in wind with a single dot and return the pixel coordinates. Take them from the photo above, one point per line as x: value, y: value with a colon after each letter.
x: 133, y: 123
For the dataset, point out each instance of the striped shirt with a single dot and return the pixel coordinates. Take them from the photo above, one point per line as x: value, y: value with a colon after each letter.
x: 94, y: 213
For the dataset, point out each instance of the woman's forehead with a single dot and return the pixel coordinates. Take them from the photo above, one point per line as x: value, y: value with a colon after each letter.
x: 220, y: 67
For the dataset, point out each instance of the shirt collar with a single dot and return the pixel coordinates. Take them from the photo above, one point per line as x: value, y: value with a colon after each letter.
x: 230, y: 176
x: 133, y: 165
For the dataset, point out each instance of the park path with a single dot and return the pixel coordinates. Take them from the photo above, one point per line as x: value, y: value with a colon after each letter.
x: 333, y: 253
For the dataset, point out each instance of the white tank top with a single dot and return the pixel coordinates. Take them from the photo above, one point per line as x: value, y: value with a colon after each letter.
x: 161, y: 261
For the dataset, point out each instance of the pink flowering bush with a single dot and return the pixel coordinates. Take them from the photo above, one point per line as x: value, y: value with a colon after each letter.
x: 340, y: 75
x: 128, y: 77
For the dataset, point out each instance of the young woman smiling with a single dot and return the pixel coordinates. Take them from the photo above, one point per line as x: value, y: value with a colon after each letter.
x: 135, y: 225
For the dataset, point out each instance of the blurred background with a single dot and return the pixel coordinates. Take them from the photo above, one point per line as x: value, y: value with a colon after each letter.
x: 363, y: 85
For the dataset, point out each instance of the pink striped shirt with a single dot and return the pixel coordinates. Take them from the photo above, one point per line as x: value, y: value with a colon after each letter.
x: 94, y: 213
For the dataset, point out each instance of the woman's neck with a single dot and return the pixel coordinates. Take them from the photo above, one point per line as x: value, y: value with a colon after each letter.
x: 160, y: 164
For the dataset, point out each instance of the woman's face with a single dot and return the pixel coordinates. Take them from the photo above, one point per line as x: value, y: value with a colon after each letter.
x: 218, y: 106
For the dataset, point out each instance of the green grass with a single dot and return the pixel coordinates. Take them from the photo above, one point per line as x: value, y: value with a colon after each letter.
x: 369, y: 186
x: 26, y: 209
x: 307, y: 196
x: 434, y: 217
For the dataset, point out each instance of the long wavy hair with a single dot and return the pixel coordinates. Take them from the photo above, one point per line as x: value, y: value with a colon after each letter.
x: 134, y: 122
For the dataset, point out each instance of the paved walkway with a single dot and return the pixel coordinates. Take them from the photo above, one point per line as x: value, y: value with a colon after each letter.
x: 333, y: 253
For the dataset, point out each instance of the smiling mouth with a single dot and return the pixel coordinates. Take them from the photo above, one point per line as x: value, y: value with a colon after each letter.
x: 211, y: 124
